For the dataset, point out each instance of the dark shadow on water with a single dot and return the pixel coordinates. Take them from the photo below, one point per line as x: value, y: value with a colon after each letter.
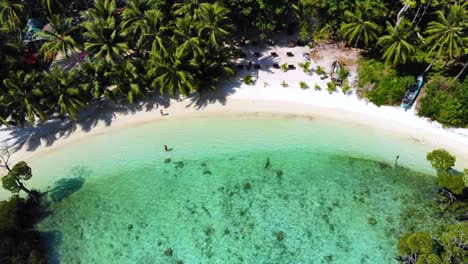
x: 69, y: 185
x: 52, y: 239
x: 64, y: 188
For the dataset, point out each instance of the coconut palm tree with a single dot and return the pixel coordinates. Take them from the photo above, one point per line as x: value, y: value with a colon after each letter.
x: 10, y: 47
x: 173, y: 71
x: 10, y: 13
x: 135, y: 11
x: 60, y: 38
x: 186, y: 8
x: 102, y: 9
x: 148, y: 28
x: 54, y: 6
x: 96, y: 78
x: 397, y: 46
x: 359, y: 28
x: 448, y: 34
x: 128, y: 80
x: 20, y: 97
x: 105, y: 39
x: 64, y: 92
x: 214, y: 23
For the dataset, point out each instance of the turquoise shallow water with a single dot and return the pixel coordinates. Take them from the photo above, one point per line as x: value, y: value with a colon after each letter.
x: 329, y: 195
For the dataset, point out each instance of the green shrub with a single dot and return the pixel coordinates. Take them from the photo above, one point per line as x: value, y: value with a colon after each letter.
x: 331, y: 87
x: 248, y: 79
x: 319, y: 70
x: 284, y: 84
x: 303, y: 85
x: 284, y: 67
x: 317, y: 87
x: 453, y: 183
x: 345, y: 87
x: 343, y: 73
x: 305, y: 66
x: 388, y: 88
x: 446, y: 101
x: 416, y: 243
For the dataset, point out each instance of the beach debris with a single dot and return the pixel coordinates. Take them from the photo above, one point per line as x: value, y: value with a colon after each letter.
x: 280, y: 235
x: 372, y: 221
x: 247, y: 186
x: 167, y: 160
x: 168, y: 252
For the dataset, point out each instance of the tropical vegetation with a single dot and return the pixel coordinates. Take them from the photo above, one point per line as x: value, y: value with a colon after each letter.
x: 447, y: 243
x: 122, y: 53
x: 126, y: 51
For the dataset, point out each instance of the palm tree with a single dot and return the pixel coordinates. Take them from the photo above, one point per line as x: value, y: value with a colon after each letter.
x: 186, y: 8
x: 135, y: 11
x: 105, y: 39
x: 21, y: 93
x: 10, y: 47
x: 10, y: 13
x: 148, y: 27
x: 54, y: 6
x: 214, y: 24
x: 126, y: 77
x: 173, y: 71
x: 448, y: 35
x: 95, y: 78
x: 60, y: 38
x: 65, y: 94
x: 102, y: 9
x: 396, y: 45
x: 358, y: 28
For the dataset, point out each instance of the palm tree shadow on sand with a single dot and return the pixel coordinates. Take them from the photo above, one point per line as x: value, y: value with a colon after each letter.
x: 30, y: 137
x: 207, y: 96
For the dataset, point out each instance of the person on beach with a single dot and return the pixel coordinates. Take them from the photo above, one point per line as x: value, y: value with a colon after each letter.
x: 161, y: 111
x: 165, y: 148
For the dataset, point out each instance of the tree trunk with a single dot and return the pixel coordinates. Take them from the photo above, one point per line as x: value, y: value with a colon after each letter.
x: 462, y: 70
x: 424, y: 12
x: 430, y: 65
x: 416, y: 15
x: 401, y: 13
x: 357, y: 40
x: 26, y: 190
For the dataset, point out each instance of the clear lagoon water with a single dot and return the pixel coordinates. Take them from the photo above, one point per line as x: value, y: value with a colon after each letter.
x: 330, y: 193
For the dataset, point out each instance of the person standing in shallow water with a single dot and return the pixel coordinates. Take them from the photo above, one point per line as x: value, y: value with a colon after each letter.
x: 267, y: 164
x: 165, y: 148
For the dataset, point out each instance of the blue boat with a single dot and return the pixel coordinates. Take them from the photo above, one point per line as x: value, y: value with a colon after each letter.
x: 412, y: 93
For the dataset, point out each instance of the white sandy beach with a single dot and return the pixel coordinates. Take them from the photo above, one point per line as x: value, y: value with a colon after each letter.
x: 266, y: 96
